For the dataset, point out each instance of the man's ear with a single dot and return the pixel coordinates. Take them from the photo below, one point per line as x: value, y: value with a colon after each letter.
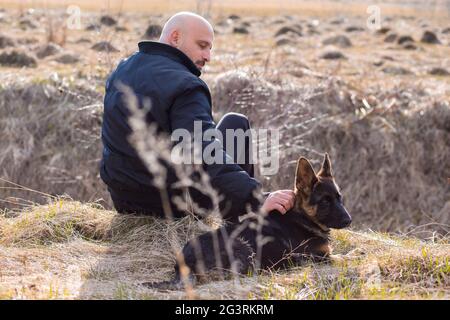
x: 175, y: 38
x: 305, y: 177
x: 326, y: 171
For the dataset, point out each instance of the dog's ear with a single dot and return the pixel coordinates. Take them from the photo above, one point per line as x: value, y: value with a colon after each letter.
x: 326, y: 171
x: 305, y: 177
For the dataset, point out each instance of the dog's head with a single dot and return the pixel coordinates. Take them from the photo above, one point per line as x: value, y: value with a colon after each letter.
x: 318, y: 196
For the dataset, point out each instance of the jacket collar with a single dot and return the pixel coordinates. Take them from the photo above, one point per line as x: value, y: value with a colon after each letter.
x: 158, y: 48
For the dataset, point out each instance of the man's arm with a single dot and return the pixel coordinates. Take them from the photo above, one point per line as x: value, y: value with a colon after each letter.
x: 228, y: 178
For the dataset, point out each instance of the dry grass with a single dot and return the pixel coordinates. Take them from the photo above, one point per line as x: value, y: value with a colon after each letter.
x: 71, y: 250
x: 48, y: 142
x: 56, y: 31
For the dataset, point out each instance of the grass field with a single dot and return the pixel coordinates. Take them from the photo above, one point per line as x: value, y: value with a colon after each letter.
x: 70, y: 250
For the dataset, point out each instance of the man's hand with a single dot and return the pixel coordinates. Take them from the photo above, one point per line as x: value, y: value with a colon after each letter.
x: 281, y: 200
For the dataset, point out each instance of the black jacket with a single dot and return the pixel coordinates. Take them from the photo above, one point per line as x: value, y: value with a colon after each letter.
x: 178, y: 98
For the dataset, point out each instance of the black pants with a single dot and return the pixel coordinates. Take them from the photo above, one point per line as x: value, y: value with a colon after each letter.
x: 237, y: 121
x: 229, y: 121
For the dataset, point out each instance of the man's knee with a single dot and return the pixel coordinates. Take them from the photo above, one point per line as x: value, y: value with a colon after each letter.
x: 234, y: 120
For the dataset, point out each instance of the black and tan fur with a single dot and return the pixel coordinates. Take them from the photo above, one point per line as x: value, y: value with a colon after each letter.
x: 289, y: 239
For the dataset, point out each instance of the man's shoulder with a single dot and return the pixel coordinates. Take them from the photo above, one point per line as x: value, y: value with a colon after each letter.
x: 167, y: 71
x: 158, y: 75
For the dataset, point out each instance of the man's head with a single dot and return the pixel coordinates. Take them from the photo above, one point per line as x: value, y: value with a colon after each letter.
x: 190, y: 33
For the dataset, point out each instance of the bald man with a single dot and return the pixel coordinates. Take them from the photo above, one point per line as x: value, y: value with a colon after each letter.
x: 191, y: 34
x: 167, y: 72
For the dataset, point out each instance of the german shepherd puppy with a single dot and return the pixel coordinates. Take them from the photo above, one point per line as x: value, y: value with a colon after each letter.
x: 271, y: 241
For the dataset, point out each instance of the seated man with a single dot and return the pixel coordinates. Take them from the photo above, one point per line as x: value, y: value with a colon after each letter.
x: 168, y: 73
